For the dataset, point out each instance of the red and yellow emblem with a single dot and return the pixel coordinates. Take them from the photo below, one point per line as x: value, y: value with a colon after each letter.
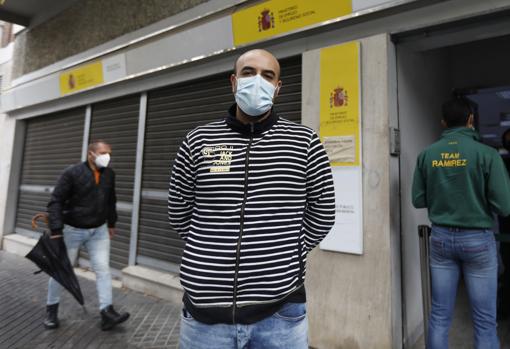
x: 338, y: 98
x: 266, y: 20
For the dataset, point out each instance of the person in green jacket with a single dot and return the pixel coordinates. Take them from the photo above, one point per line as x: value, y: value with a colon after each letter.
x: 462, y: 182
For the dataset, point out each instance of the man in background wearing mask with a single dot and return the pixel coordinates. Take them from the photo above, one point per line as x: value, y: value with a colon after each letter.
x: 251, y: 195
x: 462, y: 182
x: 82, y: 211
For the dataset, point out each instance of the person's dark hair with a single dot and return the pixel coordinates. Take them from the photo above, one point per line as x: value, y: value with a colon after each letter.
x: 505, y: 144
x: 456, y: 111
x: 93, y: 145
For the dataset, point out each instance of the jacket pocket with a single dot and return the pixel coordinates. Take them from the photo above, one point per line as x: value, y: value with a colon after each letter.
x: 185, y: 314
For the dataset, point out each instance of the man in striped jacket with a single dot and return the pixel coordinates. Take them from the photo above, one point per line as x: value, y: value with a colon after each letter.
x: 251, y: 195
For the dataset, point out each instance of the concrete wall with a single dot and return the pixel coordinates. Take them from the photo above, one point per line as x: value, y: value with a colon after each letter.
x: 87, y: 24
x: 349, y: 296
x: 7, y: 128
x: 12, y: 156
x: 423, y: 85
x: 395, y: 209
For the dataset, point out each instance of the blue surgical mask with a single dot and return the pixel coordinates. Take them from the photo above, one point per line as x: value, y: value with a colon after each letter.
x: 254, y: 95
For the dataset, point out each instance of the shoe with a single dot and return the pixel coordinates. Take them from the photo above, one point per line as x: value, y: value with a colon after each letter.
x: 110, y: 318
x: 51, y: 322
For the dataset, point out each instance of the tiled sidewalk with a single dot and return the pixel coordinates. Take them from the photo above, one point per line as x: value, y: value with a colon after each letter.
x: 153, y: 323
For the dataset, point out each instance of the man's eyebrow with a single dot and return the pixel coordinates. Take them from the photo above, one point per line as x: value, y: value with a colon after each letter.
x: 265, y: 71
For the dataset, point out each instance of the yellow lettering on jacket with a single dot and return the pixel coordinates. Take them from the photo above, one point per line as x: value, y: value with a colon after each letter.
x: 450, y: 160
x: 450, y: 155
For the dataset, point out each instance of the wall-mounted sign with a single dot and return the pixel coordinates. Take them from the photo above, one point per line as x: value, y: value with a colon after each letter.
x: 93, y: 74
x: 275, y: 17
x: 81, y: 78
x: 340, y: 104
x: 340, y: 131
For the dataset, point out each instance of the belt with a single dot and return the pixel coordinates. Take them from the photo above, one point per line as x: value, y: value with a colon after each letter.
x: 452, y: 228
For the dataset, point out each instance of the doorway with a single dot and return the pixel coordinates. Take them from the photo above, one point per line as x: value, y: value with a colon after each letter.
x: 427, y: 75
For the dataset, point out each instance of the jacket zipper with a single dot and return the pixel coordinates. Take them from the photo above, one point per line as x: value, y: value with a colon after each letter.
x: 241, y: 225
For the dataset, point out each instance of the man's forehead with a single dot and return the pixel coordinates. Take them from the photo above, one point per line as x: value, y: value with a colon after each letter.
x: 103, y: 147
x: 258, y: 59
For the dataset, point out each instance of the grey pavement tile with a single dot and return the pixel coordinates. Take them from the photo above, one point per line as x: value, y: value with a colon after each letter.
x: 153, y: 323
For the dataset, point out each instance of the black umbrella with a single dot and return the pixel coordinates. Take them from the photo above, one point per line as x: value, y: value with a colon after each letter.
x: 51, y: 256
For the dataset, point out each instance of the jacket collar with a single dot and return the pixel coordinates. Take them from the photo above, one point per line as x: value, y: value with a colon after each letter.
x: 258, y: 127
x: 461, y: 131
x: 86, y: 163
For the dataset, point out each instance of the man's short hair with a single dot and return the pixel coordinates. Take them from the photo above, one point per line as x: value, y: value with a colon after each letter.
x: 504, y: 136
x: 95, y: 143
x: 456, y: 111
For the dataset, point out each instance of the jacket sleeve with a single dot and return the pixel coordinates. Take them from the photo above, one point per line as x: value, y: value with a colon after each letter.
x: 319, y: 214
x: 498, y: 187
x: 61, y: 193
x: 112, y: 205
x: 419, y: 192
x: 181, y: 194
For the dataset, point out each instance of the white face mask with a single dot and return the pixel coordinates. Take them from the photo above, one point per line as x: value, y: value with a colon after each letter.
x: 102, y: 160
x: 254, y: 95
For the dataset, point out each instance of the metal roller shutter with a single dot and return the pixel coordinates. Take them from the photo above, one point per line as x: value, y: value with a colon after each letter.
x: 52, y: 142
x: 116, y: 122
x: 172, y: 112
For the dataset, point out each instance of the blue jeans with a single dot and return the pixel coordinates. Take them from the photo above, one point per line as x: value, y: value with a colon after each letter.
x: 97, y: 242
x: 287, y: 328
x: 472, y: 252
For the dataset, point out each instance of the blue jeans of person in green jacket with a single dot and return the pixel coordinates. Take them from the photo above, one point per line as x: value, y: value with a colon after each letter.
x: 473, y: 253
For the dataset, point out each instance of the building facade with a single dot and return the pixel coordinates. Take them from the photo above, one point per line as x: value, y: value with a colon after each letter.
x: 7, y: 124
x: 143, y: 84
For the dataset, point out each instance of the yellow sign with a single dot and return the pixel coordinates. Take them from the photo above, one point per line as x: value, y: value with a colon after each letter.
x: 340, y: 103
x: 81, y: 78
x: 275, y: 17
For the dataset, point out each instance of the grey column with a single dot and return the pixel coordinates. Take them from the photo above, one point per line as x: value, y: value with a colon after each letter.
x: 14, y: 178
x: 86, y: 132
x: 135, y: 213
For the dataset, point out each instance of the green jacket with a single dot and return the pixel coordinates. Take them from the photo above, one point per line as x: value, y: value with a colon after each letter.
x: 461, y: 181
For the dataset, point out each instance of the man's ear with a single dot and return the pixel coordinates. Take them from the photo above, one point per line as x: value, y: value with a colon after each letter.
x: 278, y: 88
x: 233, y: 82
x: 471, y: 120
x: 444, y: 124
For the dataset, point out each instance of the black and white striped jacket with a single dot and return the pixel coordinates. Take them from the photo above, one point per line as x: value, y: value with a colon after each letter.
x: 250, y: 201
